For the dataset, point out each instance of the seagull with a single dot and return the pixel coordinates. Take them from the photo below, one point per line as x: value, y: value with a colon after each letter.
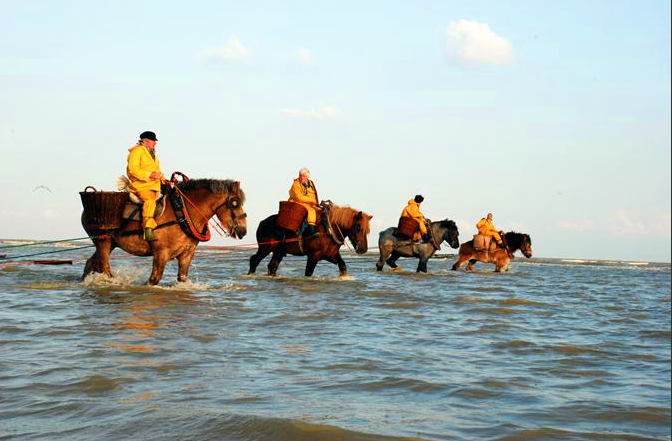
x: 42, y: 187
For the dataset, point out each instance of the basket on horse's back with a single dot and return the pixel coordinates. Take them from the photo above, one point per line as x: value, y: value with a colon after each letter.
x: 103, y: 209
x: 291, y: 216
x: 407, y: 227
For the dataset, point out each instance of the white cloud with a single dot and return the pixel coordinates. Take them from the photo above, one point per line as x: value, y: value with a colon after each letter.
x: 622, y: 223
x: 305, y: 55
x: 471, y: 41
x: 324, y: 112
x: 229, y: 51
x: 576, y: 225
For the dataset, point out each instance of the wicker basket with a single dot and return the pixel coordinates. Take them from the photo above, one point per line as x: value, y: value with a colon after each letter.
x: 291, y: 216
x: 103, y: 209
x: 407, y: 227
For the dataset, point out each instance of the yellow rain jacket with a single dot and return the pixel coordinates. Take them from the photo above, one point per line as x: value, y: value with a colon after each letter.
x: 412, y: 210
x: 306, y: 196
x: 487, y: 228
x: 141, y: 165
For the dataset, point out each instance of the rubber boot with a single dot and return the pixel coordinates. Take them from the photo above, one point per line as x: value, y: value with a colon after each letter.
x: 310, y: 232
x: 149, y: 235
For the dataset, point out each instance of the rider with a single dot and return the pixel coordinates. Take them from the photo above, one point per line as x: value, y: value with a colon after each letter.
x: 487, y: 228
x: 303, y: 192
x: 144, y: 172
x: 412, y: 210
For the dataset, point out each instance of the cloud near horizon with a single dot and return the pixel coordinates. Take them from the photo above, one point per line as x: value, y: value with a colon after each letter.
x: 305, y: 55
x: 324, y: 112
x: 232, y: 50
x: 621, y: 223
x: 473, y: 42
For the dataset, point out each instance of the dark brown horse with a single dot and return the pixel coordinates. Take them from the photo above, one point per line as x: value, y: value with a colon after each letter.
x: 500, y: 257
x: 345, y: 223
x: 212, y: 197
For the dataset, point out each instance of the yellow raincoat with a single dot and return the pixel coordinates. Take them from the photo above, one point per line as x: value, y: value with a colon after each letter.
x: 306, y: 196
x: 412, y: 210
x: 141, y: 165
x: 487, y: 228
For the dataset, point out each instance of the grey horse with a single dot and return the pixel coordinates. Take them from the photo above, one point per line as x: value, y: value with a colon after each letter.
x: 392, y: 248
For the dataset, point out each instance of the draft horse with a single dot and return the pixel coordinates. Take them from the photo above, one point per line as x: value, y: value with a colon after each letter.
x: 341, y: 223
x: 221, y: 198
x: 392, y: 248
x: 500, y: 257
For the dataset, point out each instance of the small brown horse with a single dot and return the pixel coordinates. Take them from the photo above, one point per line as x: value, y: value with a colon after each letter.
x: 498, y: 256
x: 212, y: 197
x: 345, y: 222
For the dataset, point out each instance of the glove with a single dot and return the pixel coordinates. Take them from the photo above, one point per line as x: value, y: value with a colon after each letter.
x: 425, y: 237
x: 502, y: 245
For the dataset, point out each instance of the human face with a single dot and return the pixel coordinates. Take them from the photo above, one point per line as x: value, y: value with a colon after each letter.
x: 149, y: 144
x: 304, y: 178
x: 489, y: 216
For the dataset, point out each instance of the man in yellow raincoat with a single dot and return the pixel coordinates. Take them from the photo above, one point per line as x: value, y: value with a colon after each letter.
x: 303, y: 192
x: 144, y: 172
x: 487, y: 228
x: 412, y: 210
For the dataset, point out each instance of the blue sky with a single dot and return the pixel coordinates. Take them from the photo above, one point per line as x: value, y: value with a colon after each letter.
x: 555, y: 116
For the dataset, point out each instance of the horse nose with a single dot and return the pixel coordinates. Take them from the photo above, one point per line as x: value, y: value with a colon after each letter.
x: 241, y: 232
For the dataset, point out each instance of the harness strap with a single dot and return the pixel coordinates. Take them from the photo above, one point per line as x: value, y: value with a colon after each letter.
x: 140, y: 232
x: 183, y: 220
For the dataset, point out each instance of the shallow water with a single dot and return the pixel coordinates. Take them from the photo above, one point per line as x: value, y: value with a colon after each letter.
x: 553, y: 350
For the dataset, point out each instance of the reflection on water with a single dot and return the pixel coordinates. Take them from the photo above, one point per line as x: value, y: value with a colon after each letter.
x: 553, y: 350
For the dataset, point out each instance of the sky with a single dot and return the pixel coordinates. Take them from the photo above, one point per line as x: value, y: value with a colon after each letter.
x: 555, y: 116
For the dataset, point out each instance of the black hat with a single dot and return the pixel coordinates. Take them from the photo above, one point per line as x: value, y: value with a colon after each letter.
x: 148, y: 135
x: 419, y: 199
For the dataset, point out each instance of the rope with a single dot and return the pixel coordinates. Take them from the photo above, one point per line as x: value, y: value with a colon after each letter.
x: 50, y: 242
x: 215, y: 224
x: 45, y: 253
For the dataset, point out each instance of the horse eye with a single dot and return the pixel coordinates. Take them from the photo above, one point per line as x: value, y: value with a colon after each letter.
x: 234, y: 203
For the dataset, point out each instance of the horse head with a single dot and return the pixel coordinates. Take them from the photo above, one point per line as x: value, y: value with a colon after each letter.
x: 451, y: 235
x: 353, y: 224
x: 526, y: 247
x: 359, y: 232
x: 230, y: 213
x: 519, y: 241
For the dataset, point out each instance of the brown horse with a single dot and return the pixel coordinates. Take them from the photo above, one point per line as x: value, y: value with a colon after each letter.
x: 498, y: 256
x: 345, y: 223
x: 212, y: 197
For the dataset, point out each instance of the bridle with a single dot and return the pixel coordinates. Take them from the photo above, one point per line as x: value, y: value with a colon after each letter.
x: 232, y: 203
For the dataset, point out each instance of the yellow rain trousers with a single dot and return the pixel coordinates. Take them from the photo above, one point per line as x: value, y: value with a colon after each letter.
x: 412, y: 210
x: 141, y: 165
x: 487, y: 228
x: 307, y: 197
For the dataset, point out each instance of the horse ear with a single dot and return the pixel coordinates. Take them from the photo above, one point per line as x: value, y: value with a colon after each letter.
x: 369, y: 216
x: 360, y: 215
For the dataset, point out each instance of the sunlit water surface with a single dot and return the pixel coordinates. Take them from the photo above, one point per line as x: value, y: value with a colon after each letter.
x: 553, y: 350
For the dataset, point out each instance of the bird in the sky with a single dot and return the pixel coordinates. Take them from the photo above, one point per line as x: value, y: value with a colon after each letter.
x: 42, y: 187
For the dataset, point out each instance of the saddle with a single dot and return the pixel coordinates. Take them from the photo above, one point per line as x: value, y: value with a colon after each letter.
x: 133, y: 209
x: 484, y: 243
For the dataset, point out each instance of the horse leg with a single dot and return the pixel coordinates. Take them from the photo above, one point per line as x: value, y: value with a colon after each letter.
x: 183, y: 262
x: 392, y: 260
x: 310, y: 266
x: 422, y: 266
x: 461, y: 260
x: 274, y: 264
x: 256, y: 259
x: 99, y: 262
x: 92, y: 265
x: 342, y: 267
x: 158, y: 266
x: 470, y: 267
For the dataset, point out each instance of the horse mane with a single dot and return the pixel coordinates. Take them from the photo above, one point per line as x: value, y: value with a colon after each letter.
x: 515, y: 240
x: 447, y: 224
x: 217, y: 186
x: 344, y: 216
